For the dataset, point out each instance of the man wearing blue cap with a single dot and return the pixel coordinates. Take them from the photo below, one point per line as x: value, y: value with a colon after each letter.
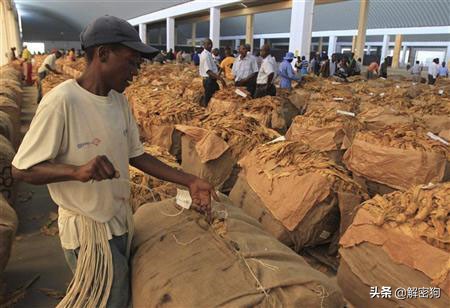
x: 80, y: 143
x: 286, y: 72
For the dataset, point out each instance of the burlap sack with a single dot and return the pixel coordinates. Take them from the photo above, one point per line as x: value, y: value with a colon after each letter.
x: 379, y: 117
x: 436, y: 123
x: 164, y: 136
x: 7, y: 153
x: 9, y: 107
x: 397, y: 168
x: 391, y: 254
x: 300, y: 210
x: 232, y: 263
x: 8, y: 228
x: 226, y: 100
x: 6, y: 127
x: 300, y: 98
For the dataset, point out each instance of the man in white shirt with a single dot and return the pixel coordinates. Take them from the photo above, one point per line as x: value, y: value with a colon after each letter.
x: 266, y: 74
x: 80, y: 143
x: 433, y: 71
x: 245, y: 71
x: 49, y: 65
x: 209, y: 71
x: 416, y: 71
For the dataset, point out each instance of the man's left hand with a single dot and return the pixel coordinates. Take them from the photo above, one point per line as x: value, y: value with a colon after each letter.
x: 201, y: 192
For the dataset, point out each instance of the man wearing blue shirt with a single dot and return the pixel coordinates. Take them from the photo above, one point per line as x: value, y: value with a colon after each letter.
x: 286, y: 72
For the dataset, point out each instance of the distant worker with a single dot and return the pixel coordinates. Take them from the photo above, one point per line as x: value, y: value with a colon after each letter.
x: 443, y: 71
x: 384, y: 68
x: 49, y: 65
x: 27, y: 66
x: 372, y: 70
x: 433, y: 71
x: 266, y: 74
x: 179, y: 57
x: 196, y: 57
x: 358, y: 67
x: 226, y: 65
x: 170, y: 55
x: 245, y: 70
x: 286, y: 72
x: 216, y: 56
x: 325, y: 67
x: 11, y: 55
x: 342, y: 69
x: 71, y: 55
x: 304, y: 66
x: 416, y: 71
x: 209, y: 72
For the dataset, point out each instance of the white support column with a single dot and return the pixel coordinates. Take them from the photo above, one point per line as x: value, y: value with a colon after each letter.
x: 214, y: 26
x: 261, y: 42
x: 170, y: 33
x: 143, y: 33
x: 237, y: 42
x: 403, y: 55
x: 301, y: 27
x: 194, y: 33
x: 385, y: 47
x: 332, y: 42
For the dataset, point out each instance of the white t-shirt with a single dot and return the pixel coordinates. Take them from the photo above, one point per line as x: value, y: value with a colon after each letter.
x: 267, y: 68
x: 242, y: 68
x: 207, y: 64
x: 73, y: 126
x: 50, y: 60
x: 433, y: 69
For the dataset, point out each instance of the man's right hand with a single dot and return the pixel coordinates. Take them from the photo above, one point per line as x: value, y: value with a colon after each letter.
x: 98, y: 169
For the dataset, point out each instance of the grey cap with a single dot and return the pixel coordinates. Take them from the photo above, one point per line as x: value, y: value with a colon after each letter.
x: 109, y: 30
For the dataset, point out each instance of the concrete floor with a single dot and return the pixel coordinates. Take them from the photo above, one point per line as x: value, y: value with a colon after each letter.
x: 33, y: 252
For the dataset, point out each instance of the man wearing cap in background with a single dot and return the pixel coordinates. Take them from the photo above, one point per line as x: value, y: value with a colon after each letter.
x: 266, y: 74
x: 245, y: 70
x: 286, y: 72
x: 209, y: 71
x: 80, y: 143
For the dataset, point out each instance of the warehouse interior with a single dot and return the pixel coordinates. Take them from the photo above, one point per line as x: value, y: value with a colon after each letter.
x: 240, y: 153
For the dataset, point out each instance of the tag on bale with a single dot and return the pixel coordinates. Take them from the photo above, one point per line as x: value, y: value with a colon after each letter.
x: 441, y: 92
x: 183, y: 198
x: 352, y: 114
x: 338, y: 99
x: 437, y: 138
x: 240, y: 93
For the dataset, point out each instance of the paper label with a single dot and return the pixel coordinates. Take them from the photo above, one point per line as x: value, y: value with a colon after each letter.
x: 437, y: 138
x: 397, y: 86
x: 281, y: 138
x: 338, y: 99
x: 335, y: 82
x: 382, y: 94
x: 240, y: 93
x: 441, y: 92
x: 346, y: 113
x: 183, y: 198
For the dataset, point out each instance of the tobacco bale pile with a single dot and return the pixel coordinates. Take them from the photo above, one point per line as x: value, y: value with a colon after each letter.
x: 145, y: 188
x: 52, y: 80
x: 325, y: 130
x: 433, y: 111
x: 9, y: 107
x: 6, y: 127
x: 399, y: 240
x: 194, y: 91
x: 10, y: 102
x: 157, y: 102
x: 8, y: 228
x: 74, y: 68
x: 212, y: 147
x: 378, y: 117
x: 296, y: 193
x: 7, y: 153
x: 271, y: 111
x: 227, y: 100
x: 397, y: 156
x: 233, y: 261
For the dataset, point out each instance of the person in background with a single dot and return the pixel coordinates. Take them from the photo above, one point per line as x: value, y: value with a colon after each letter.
x: 179, y: 57
x: 27, y: 67
x: 433, y: 71
x: 304, y: 66
x: 49, y: 65
x: 71, y: 55
x: 159, y: 58
x: 384, y: 68
x: 187, y: 57
x: 297, y: 64
x: 170, y: 55
x: 266, y: 74
x: 372, y: 70
x: 416, y: 72
x: 245, y: 70
x: 286, y: 72
x: 325, y: 67
x: 351, y: 64
x: 358, y: 67
x: 196, y: 57
x: 235, y: 53
x: 443, y: 71
x: 226, y: 65
x: 11, y: 55
x: 342, y: 68
x: 216, y: 56
x: 209, y: 72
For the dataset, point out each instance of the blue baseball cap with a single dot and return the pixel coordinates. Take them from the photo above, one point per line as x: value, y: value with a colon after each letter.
x: 110, y: 30
x: 289, y: 56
